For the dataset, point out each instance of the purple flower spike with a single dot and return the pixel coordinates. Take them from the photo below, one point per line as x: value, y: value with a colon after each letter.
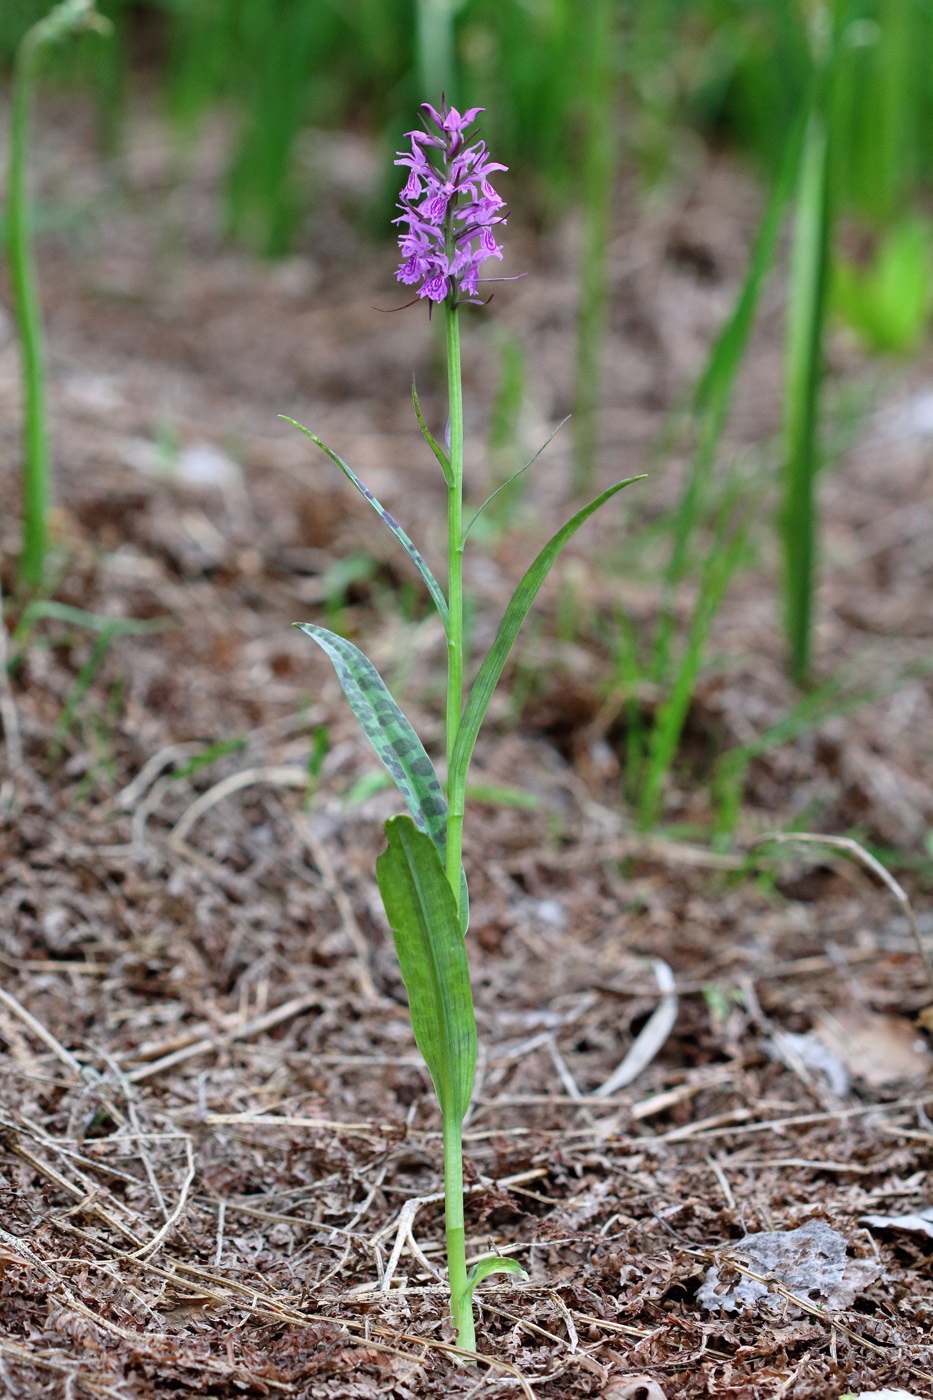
x: 448, y: 209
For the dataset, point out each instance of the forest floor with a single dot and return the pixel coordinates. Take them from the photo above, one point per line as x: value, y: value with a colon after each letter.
x: 219, y: 1149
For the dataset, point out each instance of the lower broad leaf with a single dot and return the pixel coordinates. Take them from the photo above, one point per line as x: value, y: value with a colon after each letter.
x: 393, y: 739
x: 422, y: 912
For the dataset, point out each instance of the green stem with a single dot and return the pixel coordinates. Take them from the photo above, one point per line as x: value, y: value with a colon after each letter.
x: 461, y: 1304
x: 455, y: 593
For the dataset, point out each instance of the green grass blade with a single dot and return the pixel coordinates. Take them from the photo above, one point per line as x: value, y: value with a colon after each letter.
x: 837, y: 696
x: 431, y: 951
x: 714, y: 389
x: 82, y: 684
x: 888, y: 303
x: 28, y: 311
x: 41, y: 608
x: 414, y: 554
x: 629, y: 671
x: 721, y: 564
x: 806, y: 315
x: 713, y: 393
x: 515, y: 614
x: 598, y: 21
x: 68, y: 18
x: 393, y: 739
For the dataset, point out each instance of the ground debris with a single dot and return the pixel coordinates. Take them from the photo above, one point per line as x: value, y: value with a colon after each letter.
x: 810, y: 1261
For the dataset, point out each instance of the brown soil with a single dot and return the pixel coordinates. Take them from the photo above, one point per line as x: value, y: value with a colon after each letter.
x: 215, y: 1130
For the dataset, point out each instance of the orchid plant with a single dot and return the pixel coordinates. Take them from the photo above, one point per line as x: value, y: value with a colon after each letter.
x: 449, y: 220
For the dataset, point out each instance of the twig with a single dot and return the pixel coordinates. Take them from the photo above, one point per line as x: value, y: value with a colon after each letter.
x: 562, y: 1308
x: 8, y: 715
x: 26, y: 1129
x: 152, y: 1245
x: 219, y: 1250
x: 723, y: 1181
x: 144, y: 1155
x: 563, y: 1073
x: 651, y: 1037
x: 85, y: 1197
x: 28, y: 1356
x: 709, y: 1129
x: 219, y: 1289
x: 402, y: 1224
x: 344, y: 907
x: 44, y: 1035
x: 524, y: 1324
x: 403, y: 1235
x: 248, y: 777
x: 851, y: 847
x: 256, y: 1026
x: 128, y: 796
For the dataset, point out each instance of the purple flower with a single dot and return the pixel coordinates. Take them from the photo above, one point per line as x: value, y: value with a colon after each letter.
x: 449, y: 209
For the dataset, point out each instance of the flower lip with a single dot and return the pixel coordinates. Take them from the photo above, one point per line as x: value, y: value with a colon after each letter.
x: 448, y: 208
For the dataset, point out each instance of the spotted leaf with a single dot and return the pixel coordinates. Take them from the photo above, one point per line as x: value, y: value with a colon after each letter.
x: 415, y: 555
x: 394, y: 740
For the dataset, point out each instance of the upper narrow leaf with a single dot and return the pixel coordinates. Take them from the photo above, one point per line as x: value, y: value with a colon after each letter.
x: 515, y: 614
x: 429, y: 437
x: 422, y: 912
x: 414, y: 554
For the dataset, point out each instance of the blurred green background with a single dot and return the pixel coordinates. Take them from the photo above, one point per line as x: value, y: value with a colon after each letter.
x: 547, y: 71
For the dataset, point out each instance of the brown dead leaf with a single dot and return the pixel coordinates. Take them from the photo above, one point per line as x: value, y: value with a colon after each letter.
x: 878, y: 1049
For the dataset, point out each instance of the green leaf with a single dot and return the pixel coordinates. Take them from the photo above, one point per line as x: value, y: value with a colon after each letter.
x: 515, y: 614
x: 393, y: 739
x: 415, y: 555
x: 721, y: 564
x: 41, y: 608
x: 492, y: 1264
x: 888, y: 303
x: 422, y: 912
x: 429, y: 438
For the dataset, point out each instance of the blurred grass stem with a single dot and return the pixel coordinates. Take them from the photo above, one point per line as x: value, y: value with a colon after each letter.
x: 436, y: 48
x: 599, y: 161
x: 806, y: 315
x: 68, y: 18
